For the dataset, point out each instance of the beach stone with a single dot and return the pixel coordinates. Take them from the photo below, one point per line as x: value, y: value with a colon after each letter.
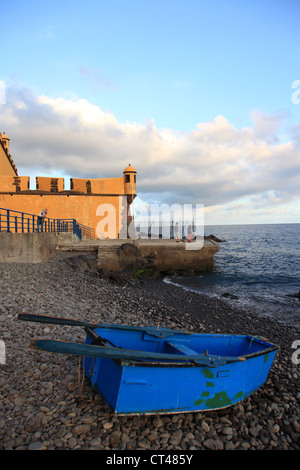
x: 37, y: 446
x: 176, y: 437
x: 210, y: 444
x: 189, y: 436
x: 72, y: 442
x: 125, y: 438
x: 197, y: 417
x: 115, y: 438
x: 158, y: 423
x: 61, y: 431
x: 254, y: 430
x: 19, y: 401
x: 245, y: 445
x: 152, y: 436
x: 70, y: 387
x: 107, y: 426
x: 219, y: 444
x: 33, y: 424
x: 144, y: 445
x: 229, y: 445
x: 205, y: 426
x: 296, y: 426
x: 81, y: 429
x: 227, y: 430
x: 97, y: 442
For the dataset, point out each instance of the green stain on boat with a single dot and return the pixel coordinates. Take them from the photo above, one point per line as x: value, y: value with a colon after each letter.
x: 266, y: 357
x: 207, y: 373
x: 198, y: 402
x: 218, y: 401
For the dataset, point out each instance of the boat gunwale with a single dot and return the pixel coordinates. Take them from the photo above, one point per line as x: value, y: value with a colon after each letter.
x: 192, y: 362
x: 189, y: 361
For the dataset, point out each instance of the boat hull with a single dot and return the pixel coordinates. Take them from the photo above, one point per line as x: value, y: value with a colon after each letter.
x: 156, y: 387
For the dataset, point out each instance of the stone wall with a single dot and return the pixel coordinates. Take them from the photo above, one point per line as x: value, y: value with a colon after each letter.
x: 27, y: 247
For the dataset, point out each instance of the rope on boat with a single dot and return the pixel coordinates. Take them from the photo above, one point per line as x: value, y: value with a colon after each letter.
x: 81, y: 380
x: 255, y: 337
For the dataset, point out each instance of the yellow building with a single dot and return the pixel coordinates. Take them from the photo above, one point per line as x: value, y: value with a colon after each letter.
x: 102, y: 204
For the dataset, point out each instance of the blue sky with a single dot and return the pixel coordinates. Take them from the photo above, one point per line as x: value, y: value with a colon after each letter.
x: 185, y: 89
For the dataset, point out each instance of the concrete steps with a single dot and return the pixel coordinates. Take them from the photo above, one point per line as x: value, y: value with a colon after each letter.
x: 108, y: 258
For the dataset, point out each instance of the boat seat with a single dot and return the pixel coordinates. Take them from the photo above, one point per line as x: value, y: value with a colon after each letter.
x: 182, y: 348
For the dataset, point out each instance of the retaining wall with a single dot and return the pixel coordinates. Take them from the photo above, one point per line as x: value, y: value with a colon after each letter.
x: 27, y: 247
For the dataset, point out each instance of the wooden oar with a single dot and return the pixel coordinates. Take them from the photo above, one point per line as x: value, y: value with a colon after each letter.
x: 54, y: 320
x: 159, y: 332
x: 126, y: 354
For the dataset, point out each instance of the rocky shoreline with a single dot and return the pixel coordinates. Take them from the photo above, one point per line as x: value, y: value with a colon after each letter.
x: 46, y: 406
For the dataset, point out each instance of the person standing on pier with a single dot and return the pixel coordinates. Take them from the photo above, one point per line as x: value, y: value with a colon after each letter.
x: 189, y: 233
x: 177, y: 236
x: 41, y: 217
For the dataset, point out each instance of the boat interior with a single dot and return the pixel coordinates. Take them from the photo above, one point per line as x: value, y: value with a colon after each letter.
x: 179, y: 344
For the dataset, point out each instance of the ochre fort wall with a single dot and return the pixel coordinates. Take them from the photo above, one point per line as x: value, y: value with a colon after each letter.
x: 81, y: 202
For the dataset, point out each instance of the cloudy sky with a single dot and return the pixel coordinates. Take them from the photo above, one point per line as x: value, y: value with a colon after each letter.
x: 201, y: 97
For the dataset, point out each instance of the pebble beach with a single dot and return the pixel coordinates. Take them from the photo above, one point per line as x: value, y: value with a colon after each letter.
x: 46, y: 404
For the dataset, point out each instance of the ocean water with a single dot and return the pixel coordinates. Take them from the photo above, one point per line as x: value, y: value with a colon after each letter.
x: 259, y: 264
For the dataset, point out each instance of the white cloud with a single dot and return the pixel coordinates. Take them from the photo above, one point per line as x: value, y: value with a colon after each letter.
x: 81, y: 109
x: 266, y: 126
x: 215, y: 164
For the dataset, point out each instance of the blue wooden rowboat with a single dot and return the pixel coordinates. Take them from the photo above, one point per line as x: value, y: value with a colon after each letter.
x: 150, y: 370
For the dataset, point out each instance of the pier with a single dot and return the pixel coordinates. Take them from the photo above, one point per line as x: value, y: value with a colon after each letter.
x: 163, y: 254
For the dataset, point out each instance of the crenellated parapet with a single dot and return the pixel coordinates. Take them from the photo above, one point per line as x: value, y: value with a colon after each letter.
x: 123, y: 186
x: 52, y: 185
x: 14, y: 184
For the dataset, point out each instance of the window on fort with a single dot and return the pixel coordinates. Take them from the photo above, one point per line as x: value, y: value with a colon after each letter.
x: 127, y: 178
x: 135, y: 178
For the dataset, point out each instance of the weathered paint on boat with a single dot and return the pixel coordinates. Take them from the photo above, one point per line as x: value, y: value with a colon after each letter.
x: 148, y: 370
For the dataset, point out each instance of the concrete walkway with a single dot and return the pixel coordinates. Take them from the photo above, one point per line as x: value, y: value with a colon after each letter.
x: 91, y: 245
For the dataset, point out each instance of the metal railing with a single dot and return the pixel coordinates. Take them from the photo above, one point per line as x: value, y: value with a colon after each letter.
x: 87, y: 232
x: 20, y: 222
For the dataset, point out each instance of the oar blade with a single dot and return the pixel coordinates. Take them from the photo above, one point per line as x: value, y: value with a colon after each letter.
x: 53, y: 320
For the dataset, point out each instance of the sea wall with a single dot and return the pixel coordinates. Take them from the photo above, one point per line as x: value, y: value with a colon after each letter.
x: 27, y: 247
x: 176, y: 257
x: 161, y: 256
